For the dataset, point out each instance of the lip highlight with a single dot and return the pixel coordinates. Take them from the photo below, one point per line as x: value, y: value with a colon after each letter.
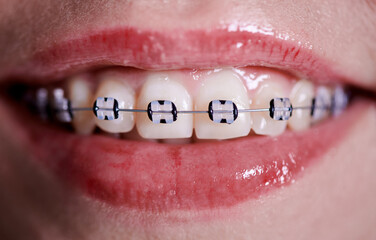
x: 232, y: 46
x: 160, y: 177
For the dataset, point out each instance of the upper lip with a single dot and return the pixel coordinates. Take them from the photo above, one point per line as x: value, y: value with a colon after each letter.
x: 174, y: 50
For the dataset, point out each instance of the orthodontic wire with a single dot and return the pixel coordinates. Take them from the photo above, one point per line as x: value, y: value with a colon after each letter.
x: 195, y: 112
x: 221, y: 111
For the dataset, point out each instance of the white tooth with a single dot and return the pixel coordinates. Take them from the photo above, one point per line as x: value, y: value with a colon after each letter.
x: 323, y: 100
x: 164, y: 86
x: 263, y: 124
x: 301, y: 96
x: 125, y: 95
x: 81, y: 96
x: 223, y: 85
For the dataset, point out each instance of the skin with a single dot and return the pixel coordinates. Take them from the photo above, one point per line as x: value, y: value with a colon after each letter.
x: 334, y: 200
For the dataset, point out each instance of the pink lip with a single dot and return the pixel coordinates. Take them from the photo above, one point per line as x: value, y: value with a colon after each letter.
x: 174, y: 50
x: 160, y: 177
x: 150, y: 176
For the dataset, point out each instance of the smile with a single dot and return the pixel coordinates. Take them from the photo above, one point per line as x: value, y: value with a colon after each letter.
x: 200, y: 120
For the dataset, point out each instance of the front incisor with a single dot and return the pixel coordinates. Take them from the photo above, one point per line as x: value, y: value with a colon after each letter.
x: 163, y: 86
x: 223, y: 85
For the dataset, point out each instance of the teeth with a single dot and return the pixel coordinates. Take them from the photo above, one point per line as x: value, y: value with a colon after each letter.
x: 322, y: 104
x: 301, y: 96
x: 166, y: 112
x: 162, y: 86
x: 224, y: 85
x: 263, y: 124
x: 125, y: 96
x: 81, y: 96
x: 340, y: 100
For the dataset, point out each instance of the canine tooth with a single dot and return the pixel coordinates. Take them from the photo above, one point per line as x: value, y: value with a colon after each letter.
x: 263, y: 124
x: 223, y: 85
x: 119, y: 90
x: 301, y: 96
x: 322, y: 104
x: 81, y: 96
x: 171, y: 93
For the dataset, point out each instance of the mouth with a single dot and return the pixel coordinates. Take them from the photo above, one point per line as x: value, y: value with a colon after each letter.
x: 139, y: 161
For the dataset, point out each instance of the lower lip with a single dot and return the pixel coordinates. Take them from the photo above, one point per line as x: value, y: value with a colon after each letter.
x: 160, y: 177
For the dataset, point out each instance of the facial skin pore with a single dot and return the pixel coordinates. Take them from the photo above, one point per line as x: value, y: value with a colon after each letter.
x: 338, y: 205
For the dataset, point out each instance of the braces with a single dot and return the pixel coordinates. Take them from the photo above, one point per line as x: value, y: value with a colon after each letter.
x: 165, y: 111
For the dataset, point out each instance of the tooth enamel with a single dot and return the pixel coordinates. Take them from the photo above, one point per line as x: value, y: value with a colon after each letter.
x: 301, y: 96
x: 223, y: 85
x: 162, y: 86
x: 125, y: 96
x: 263, y: 124
x: 81, y: 96
x: 323, y: 100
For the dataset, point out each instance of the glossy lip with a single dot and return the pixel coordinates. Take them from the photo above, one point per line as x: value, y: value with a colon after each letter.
x: 157, y: 177
x: 232, y: 46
